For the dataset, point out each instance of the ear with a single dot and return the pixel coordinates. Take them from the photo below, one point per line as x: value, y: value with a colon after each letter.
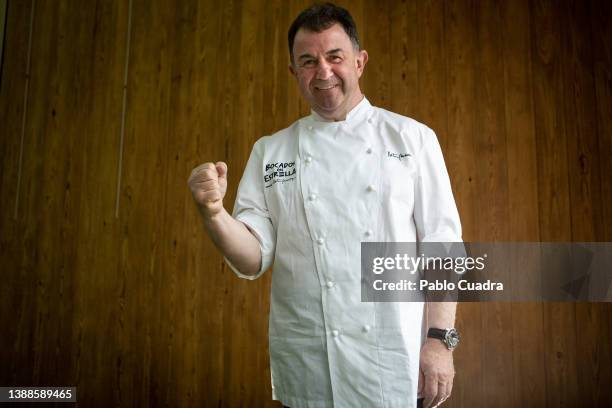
x: 292, y: 70
x: 361, y: 60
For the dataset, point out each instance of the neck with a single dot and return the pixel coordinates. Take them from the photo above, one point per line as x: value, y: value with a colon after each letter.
x: 340, y: 113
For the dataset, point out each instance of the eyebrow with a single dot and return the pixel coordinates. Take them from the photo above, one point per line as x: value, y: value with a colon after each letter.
x: 334, y: 51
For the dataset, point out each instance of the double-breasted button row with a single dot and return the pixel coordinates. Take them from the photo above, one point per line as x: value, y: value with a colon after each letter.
x: 312, y: 197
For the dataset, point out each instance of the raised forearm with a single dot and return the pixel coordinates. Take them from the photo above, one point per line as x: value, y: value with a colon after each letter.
x: 235, y: 241
x: 208, y: 184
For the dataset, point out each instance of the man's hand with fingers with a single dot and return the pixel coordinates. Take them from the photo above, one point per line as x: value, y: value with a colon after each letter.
x: 436, y: 373
x: 208, y: 184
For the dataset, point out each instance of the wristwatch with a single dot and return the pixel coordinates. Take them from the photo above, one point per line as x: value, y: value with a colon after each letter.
x: 450, y: 337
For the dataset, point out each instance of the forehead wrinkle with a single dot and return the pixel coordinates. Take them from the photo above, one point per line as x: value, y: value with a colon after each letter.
x: 334, y: 51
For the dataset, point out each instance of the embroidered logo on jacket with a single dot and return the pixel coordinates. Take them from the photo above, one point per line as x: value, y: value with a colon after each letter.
x: 279, y: 172
x: 398, y: 156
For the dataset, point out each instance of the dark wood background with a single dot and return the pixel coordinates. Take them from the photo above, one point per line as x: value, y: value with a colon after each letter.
x: 138, y: 309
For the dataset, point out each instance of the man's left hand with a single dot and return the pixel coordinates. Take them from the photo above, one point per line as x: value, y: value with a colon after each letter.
x: 436, y: 373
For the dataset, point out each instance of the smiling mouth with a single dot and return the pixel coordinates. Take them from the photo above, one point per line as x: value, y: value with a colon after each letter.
x: 326, y: 89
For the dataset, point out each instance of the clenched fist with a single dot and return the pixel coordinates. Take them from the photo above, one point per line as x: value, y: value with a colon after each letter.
x: 208, y: 184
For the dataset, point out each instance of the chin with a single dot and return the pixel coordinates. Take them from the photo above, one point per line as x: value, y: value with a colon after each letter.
x: 329, y: 106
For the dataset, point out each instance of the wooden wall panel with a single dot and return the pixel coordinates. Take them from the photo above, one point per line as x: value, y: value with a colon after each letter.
x: 431, y: 85
x: 553, y: 189
x: 404, y: 70
x: 12, y: 87
x: 462, y: 81
x: 140, y: 310
x: 149, y: 336
x: 529, y: 376
x: 601, y: 30
x: 491, y: 181
x: 97, y: 362
x: 2, y: 30
x: 377, y: 38
x: 585, y: 189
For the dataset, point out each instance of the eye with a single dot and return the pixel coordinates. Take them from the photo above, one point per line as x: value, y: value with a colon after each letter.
x: 308, y: 63
x: 336, y: 58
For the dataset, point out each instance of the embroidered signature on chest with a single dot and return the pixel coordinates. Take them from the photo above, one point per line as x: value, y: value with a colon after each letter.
x: 279, y: 172
x: 398, y: 156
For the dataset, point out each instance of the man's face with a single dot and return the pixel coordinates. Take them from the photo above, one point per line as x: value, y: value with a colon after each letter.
x: 328, y: 69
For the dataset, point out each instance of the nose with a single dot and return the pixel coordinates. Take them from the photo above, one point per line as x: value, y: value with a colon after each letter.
x: 324, y: 70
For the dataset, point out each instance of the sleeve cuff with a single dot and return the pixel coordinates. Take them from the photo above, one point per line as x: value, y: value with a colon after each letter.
x: 442, y: 237
x: 260, y: 228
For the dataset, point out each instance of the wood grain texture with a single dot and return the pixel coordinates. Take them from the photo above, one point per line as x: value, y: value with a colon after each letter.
x: 554, y: 192
x: 462, y: 80
x: 601, y: 30
x: 527, y: 323
x: 12, y: 94
x: 492, y: 182
x: 140, y: 310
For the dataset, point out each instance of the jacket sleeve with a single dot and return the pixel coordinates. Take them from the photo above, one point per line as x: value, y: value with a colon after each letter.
x: 435, y: 212
x: 250, y: 208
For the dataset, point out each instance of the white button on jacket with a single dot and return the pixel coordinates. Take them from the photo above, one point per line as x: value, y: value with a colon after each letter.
x: 378, y: 172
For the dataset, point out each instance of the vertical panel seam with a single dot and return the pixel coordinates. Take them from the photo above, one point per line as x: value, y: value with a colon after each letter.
x: 123, y: 108
x: 26, y: 92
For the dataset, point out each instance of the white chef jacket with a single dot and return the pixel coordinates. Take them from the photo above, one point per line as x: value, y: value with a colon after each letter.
x: 311, y: 193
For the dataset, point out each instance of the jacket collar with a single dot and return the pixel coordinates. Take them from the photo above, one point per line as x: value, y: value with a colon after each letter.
x: 359, y: 111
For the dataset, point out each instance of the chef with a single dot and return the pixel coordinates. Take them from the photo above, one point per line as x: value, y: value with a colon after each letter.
x: 310, y: 194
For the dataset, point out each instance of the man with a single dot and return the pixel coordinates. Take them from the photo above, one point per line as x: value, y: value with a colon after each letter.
x: 310, y: 194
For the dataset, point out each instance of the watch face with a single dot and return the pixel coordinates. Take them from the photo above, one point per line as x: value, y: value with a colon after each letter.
x: 452, y: 338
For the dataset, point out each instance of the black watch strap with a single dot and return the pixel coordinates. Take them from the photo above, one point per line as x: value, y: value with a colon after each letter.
x: 449, y: 337
x: 437, y: 334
